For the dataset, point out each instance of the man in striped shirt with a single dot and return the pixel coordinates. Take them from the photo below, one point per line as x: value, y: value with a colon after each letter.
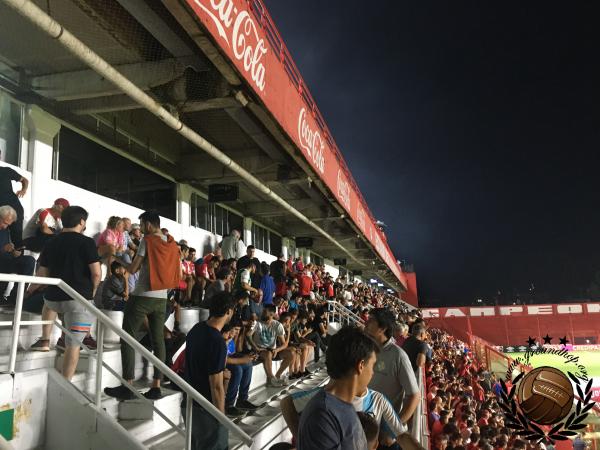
x: 371, y: 402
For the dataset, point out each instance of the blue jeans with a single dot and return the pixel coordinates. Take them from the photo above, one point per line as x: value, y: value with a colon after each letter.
x: 241, y: 376
x: 207, y: 432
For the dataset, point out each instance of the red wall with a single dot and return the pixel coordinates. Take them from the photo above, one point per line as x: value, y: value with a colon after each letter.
x: 410, y: 296
x: 514, y: 327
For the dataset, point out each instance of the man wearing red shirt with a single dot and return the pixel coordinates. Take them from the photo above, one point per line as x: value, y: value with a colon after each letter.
x: 306, y: 284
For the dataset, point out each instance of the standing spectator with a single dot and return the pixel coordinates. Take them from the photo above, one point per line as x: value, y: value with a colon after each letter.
x: 240, y: 366
x: 248, y: 258
x: 394, y: 376
x: 243, y: 280
x: 267, y: 285
x: 232, y: 246
x: 159, y: 265
x: 72, y: 257
x: 306, y: 284
x: 205, y: 356
x: 415, y: 346
x: 278, y: 270
x: 12, y: 259
x: 44, y: 225
x: 329, y: 420
x: 11, y: 198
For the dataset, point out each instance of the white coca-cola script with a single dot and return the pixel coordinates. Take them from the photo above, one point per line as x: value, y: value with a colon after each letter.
x: 343, y: 189
x: 312, y: 142
x: 360, y: 217
x: 239, y: 30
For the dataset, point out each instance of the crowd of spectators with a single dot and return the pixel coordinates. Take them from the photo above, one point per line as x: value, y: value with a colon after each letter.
x: 462, y: 401
x: 257, y: 313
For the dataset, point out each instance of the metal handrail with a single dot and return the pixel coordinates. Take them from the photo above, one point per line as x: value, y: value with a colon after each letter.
x: 344, y: 314
x: 192, y: 394
x: 419, y: 428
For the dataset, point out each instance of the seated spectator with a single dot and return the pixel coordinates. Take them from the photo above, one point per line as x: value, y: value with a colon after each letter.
x: 12, y: 259
x: 300, y: 331
x: 255, y: 306
x: 135, y: 236
x: 188, y: 279
x: 44, y: 225
x: 240, y: 366
x: 278, y: 270
x: 220, y: 284
x: 206, y: 271
x: 329, y: 419
x: 268, y: 339
x: 111, y: 242
x: 115, y: 289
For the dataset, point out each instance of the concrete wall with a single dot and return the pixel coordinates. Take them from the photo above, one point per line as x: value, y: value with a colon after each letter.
x: 37, y: 155
x: 26, y: 394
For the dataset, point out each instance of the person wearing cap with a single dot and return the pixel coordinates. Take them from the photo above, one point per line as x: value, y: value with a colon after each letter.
x: 135, y: 236
x: 44, y: 225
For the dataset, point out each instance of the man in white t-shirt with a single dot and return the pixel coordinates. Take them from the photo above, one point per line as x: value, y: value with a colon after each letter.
x: 268, y: 339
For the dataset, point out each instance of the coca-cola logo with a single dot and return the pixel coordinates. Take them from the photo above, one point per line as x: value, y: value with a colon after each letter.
x: 360, y: 217
x: 237, y: 28
x: 343, y: 189
x: 311, y: 142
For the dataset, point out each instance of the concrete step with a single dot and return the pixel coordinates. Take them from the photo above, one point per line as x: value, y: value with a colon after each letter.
x: 27, y: 360
x: 266, y: 426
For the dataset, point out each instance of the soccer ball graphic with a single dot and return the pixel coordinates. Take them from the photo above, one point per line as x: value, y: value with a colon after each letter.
x: 545, y: 395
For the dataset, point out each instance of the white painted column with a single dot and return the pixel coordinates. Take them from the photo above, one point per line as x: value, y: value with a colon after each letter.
x: 247, y: 233
x: 285, y: 242
x: 42, y: 129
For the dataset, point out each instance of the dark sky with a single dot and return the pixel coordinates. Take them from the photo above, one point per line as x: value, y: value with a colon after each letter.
x: 473, y: 130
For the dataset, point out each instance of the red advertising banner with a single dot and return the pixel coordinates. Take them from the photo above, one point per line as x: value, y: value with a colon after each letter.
x: 513, y: 310
x: 513, y: 325
x: 245, y: 32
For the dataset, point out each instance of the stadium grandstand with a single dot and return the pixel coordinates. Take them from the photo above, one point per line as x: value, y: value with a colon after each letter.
x: 188, y: 263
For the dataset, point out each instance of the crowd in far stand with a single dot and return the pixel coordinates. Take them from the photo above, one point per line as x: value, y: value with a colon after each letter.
x: 462, y: 397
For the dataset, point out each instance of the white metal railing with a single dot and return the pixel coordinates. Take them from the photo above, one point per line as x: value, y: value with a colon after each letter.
x: 105, y: 321
x: 338, y: 313
x: 418, y: 427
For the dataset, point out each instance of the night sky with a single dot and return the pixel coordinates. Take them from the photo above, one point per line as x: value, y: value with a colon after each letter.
x: 473, y: 131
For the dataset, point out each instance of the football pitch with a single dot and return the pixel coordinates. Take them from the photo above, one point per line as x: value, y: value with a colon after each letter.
x: 589, y: 359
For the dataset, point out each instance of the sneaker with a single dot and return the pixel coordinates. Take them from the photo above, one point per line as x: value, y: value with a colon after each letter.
x: 274, y: 382
x: 306, y: 373
x: 120, y: 392
x: 232, y: 411
x: 60, y: 344
x: 153, y: 394
x: 296, y: 376
x: 41, y: 345
x: 90, y: 343
x: 245, y: 405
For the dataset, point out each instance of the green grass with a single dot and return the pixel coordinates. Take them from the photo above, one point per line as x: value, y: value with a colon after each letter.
x: 589, y: 359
